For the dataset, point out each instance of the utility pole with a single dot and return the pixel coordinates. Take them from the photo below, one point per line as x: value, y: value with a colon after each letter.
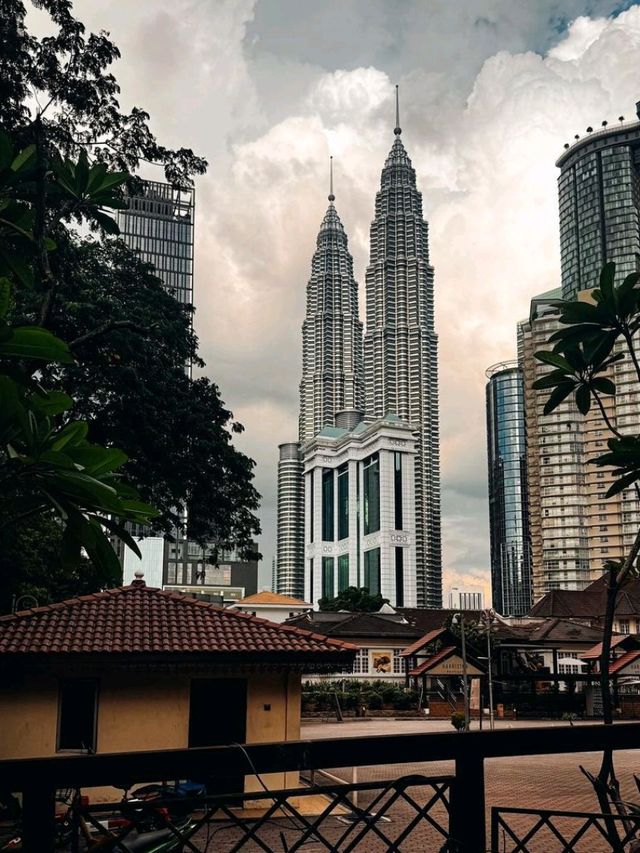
x: 465, y: 683
x: 488, y: 620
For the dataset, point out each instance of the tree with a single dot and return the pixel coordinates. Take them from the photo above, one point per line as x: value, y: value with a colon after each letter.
x: 355, y: 600
x: 598, y: 334
x: 59, y: 103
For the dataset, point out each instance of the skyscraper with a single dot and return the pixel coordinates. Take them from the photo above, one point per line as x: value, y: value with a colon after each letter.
x: 331, y: 331
x: 508, y: 511
x: 599, y: 203
x: 331, y: 381
x: 401, y: 348
x: 158, y: 224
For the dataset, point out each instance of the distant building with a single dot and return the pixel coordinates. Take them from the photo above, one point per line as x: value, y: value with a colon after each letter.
x: 508, y: 509
x: 360, y: 510
x: 229, y: 580
x: 465, y: 599
x: 272, y: 606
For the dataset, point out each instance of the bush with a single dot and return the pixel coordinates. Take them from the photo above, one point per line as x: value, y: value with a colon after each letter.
x: 374, y: 701
x: 406, y: 700
x: 457, y: 720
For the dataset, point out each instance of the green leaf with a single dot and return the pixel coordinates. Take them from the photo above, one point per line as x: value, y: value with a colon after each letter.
x: 109, y: 224
x: 37, y: 343
x: 6, y: 150
x: 53, y: 403
x: 607, y: 277
x: 99, y: 460
x: 112, y: 180
x: 583, y: 399
x: 73, y: 433
x: 82, y: 173
x: 623, y: 483
x: 18, y: 266
x: 599, y: 347
x: 576, y: 312
x: 122, y: 533
x: 24, y: 158
x: 550, y: 380
x: 562, y: 391
x: 603, y: 385
x: 554, y: 359
x: 5, y: 294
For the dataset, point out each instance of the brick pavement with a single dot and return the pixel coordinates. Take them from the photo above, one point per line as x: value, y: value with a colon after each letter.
x: 548, y: 782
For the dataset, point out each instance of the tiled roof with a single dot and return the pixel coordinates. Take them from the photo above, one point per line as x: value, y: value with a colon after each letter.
x: 427, y: 619
x: 624, y: 660
x: 429, y: 663
x: 376, y: 625
x: 138, y: 619
x: 625, y: 639
x: 422, y: 642
x: 266, y: 597
x: 589, y: 603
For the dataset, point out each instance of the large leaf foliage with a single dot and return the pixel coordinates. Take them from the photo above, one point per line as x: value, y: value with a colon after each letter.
x: 582, y: 357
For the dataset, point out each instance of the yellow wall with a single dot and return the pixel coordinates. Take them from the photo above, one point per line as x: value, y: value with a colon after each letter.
x: 138, y: 711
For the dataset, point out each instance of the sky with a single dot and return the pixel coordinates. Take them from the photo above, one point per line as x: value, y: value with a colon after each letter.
x: 266, y: 90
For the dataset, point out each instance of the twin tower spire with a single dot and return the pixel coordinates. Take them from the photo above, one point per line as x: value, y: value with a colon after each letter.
x: 392, y: 368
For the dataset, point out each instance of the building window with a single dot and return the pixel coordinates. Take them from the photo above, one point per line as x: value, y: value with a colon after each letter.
x: 343, y: 572
x: 399, y: 577
x: 327, y: 505
x: 623, y: 626
x: 361, y: 662
x: 372, y: 570
x: 311, y: 590
x: 398, y: 662
x: 343, y: 502
x: 397, y: 489
x: 328, y: 585
x: 77, y: 714
x: 371, y: 474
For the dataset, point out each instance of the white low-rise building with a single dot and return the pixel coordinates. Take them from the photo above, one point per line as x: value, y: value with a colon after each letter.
x: 360, y: 509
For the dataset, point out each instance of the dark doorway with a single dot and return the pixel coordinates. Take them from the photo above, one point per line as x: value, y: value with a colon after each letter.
x: 218, y: 717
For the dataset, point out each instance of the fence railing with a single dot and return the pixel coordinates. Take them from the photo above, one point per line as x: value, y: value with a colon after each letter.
x: 39, y: 778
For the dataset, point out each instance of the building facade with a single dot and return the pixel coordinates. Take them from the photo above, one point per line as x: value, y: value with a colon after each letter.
x: 331, y: 381
x: 158, y: 224
x: 599, y: 203
x: 400, y: 347
x: 360, y: 510
x: 508, y: 509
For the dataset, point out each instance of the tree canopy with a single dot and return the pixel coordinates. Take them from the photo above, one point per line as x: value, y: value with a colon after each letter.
x: 355, y: 600
x: 109, y: 377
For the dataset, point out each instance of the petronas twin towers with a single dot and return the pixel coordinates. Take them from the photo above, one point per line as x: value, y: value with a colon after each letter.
x: 394, y: 373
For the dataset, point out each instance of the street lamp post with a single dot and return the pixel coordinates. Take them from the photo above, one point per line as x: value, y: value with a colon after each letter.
x: 488, y: 618
x: 465, y: 683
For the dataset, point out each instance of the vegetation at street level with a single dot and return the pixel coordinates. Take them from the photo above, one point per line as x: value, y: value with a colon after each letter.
x: 355, y: 600
x: 354, y: 694
x: 595, y: 336
x: 96, y: 405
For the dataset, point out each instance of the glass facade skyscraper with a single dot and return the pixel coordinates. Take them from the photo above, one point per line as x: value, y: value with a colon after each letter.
x: 508, y: 516
x: 599, y: 203
x: 158, y: 225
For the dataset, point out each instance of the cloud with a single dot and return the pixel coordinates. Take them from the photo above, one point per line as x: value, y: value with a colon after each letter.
x: 267, y: 90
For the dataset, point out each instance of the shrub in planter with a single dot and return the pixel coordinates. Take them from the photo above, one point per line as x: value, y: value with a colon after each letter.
x: 374, y: 701
x: 406, y: 701
x: 390, y: 694
x: 457, y: 720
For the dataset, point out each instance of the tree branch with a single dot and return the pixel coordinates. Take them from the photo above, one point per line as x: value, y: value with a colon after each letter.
x: 110, y: 326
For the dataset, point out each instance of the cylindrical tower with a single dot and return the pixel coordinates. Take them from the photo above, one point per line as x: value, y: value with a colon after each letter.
x: 290, y: 544
x: 508, y: 515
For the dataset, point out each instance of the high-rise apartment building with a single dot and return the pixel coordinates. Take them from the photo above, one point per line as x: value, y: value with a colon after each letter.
x: 508, y: 509
x: 400, y: 347
x: 465, y: 598
x: 331, y: 381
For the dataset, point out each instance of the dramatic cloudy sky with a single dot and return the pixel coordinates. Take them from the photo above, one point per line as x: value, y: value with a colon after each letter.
x: 266, y: 89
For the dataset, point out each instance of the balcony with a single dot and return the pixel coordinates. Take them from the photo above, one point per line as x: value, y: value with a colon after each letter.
x: 402, y: 811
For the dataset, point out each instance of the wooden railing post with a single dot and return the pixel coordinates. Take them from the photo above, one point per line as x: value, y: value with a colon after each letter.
x: 38, y: 819
x: 467, y: 818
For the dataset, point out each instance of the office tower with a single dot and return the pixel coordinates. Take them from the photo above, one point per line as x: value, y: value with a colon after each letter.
x: 599, y: 203
x: 158, y: 224
x: 331, y: 332
x: 400, y: 346
x: 508, y: 510
x: 331, y: 381
x: 360, y: 510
